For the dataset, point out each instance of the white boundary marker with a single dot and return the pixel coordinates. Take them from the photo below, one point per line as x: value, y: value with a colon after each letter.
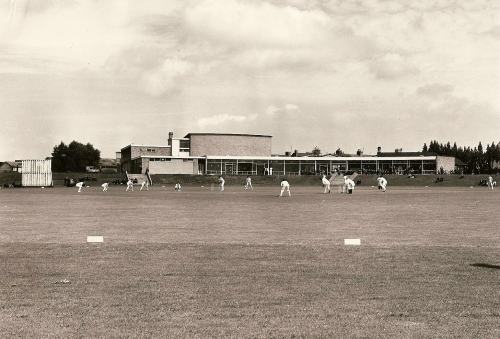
x: 95, y: 238
x: 355, y: 242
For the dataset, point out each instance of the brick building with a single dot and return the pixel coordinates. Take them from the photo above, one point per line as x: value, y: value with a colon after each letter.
x: 250, y: 154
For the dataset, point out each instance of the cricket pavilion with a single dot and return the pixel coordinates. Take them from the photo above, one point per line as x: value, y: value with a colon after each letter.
x: 250, y: 154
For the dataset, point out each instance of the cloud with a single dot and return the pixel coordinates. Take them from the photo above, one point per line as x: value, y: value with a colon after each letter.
x: 392, y: 66
x: 258, y: 24
x: 435, y: 90
x: 286, y: 109
x: 165, y: 78
x: 217, y: 120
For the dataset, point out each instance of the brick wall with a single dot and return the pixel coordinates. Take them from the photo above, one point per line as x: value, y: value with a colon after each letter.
x: 138, y: 151
x: 230, y: 145
x: 174, y: 166
x: 447, y: 163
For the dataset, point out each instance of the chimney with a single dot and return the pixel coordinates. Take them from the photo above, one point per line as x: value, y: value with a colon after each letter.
x: 379, y: 149
x: 170, y: 137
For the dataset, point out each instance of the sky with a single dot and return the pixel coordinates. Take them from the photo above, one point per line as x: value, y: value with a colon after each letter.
x: 348, y: 74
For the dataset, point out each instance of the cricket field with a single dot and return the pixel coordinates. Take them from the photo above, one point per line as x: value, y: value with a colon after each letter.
x: 202, y: 263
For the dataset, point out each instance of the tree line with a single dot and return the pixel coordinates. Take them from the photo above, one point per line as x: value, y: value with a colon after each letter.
x: 477, y: 160
x: 74, y: 157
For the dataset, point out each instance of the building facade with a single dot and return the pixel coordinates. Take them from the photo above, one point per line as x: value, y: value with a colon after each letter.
x: 248, y: 154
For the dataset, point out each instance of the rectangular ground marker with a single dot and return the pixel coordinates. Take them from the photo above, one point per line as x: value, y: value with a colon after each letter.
x: 352, y: 241
x: 95, y: 238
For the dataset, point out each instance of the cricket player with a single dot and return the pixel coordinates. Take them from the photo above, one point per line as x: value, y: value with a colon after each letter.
x: 349, y: 184
x: 80, y: 184
x: 177, y: 187
x: 222, y: 182
x: 248, y: 183
x: 105, y: 187
x: 326, y: 184
x: 144, y: 183
x: 382, y: 183
x: 491, y: 184
x: 130, y: 185
x: 285, y: 186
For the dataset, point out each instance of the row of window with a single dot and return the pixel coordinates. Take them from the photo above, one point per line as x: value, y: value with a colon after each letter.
x: 168, y: 159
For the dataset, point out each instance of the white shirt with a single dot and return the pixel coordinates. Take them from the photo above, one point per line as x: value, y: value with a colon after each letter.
x: 350, y: 184
x: 105, y: 184
x: 222, y: 181
x: 382, y: 181
x: 325, y: 181
x: 249, y: 180
x: 129, y: 182
x: 79, y: 184
x: 284, y: 184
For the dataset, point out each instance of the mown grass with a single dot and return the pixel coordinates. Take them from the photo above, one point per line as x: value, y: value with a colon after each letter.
x: 247, y: 264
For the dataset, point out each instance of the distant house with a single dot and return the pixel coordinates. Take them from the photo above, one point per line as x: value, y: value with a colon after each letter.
x: 107, y: 165
x: 10, y: 166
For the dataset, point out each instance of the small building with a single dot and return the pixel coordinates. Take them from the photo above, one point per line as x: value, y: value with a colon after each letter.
x: 10, y: 166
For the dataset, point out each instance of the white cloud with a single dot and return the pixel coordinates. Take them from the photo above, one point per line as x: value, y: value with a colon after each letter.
x: 164, y: 79
x: 285, y: 109
x: 435, y: 90
x: 391, y: 66
x: 217, y: 120
x: 258, y: 23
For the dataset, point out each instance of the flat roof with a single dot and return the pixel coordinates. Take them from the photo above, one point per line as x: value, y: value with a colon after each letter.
x: 371, y: 158
x: 405, y: 154
x: 230, y: 134
x: 144, y: 145
x: 168, y: 156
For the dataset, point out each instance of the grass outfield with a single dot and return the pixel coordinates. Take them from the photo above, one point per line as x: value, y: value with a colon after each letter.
x: 247, y: 264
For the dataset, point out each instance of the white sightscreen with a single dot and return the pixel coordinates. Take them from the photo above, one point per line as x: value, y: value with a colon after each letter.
x: 37, y: 172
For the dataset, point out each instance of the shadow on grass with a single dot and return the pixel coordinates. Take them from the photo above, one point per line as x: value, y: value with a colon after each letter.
x: 486, y: 265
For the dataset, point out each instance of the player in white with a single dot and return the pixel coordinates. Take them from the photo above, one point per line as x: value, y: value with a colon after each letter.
x: 326, y: 184
x: 80, y: 184
x: 491, y: 183
x: 248, y: 183
x: 382, y: 183
x: 222, y: 182
x: 105, y: 187
x: 130, y: 185
x: 177, y: 187
x: 349, y: 184
x: 285, y: 186
x: 144, y: 183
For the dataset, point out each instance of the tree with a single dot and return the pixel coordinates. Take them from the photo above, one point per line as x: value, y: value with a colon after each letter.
x: 316, y: 152
x: 74, y: 157
x: 339, y: 152
x: 424, y: 149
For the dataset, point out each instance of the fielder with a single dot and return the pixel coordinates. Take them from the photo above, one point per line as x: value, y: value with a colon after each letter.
x: 80, y: 185
x: 382, y: 183
x: 349, y: 184
x: 177, y: 187
x: 130, y: 185
x: 491, y: 183
x: 144, y: 183
x: 105, y: 187
x: 222, y: 182
x: 326, y: 184
x: 285, y: 186
x: 248, y: 184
